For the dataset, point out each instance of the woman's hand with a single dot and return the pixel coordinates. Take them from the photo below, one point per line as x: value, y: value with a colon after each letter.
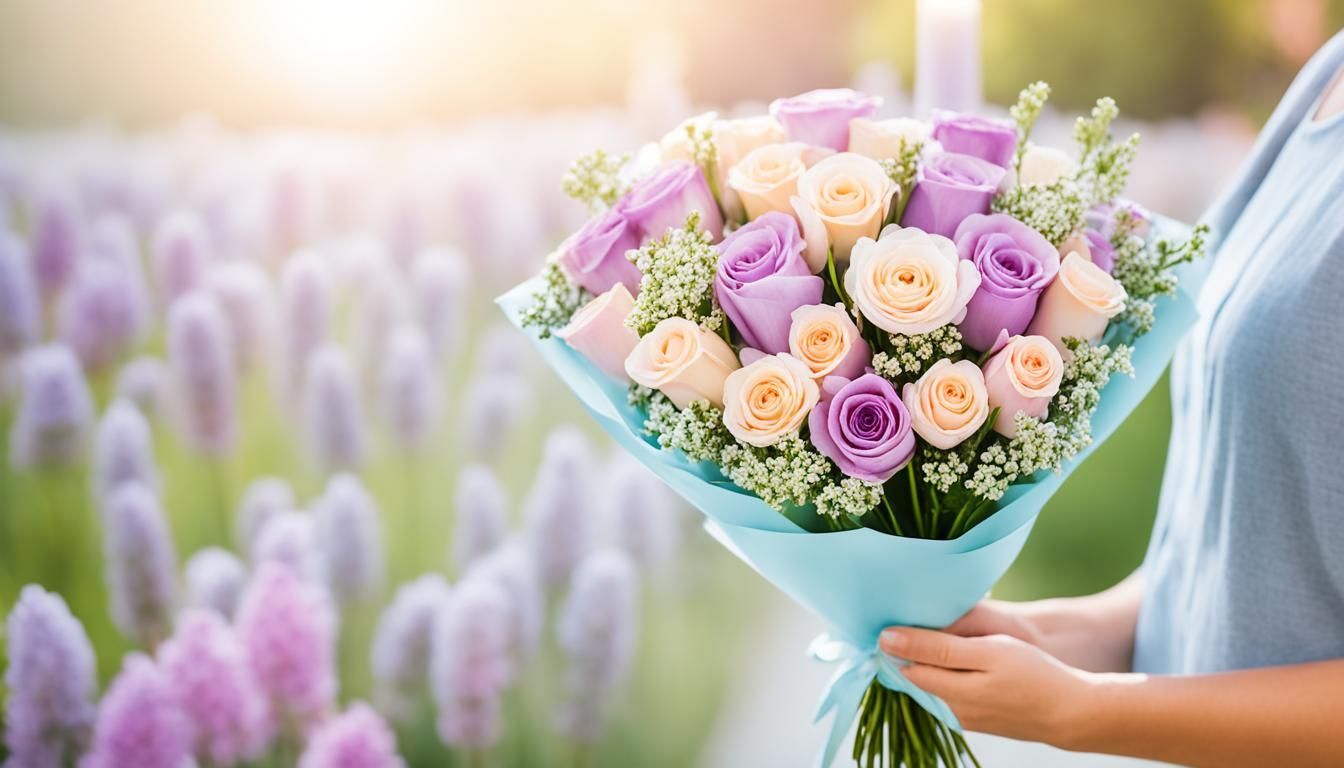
x: 997, y: 683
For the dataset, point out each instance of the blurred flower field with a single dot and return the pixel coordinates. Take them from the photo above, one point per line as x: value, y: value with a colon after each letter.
x: 269, y: 444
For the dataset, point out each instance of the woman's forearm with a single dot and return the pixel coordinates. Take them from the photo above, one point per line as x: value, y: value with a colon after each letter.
x: 1275, y: 716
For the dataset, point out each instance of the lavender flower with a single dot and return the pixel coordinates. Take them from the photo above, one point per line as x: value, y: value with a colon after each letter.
x: 123, y: 450
x: 207, y: 669
x: 264, y: 499
x: 99, y: 316
x: 349, y: 538
x: 113, y: 239
x: 332, y: 418
x: 502, y: 350
x: 181, y: 250
x: 439, y: 283
x: 55, y: 409
x: 288, y: 629
x: 246, y: 296
x: 557, y: 506
x: 510, y: 566
x: 141, y: 564
x: 215, y: 579
x: 482, y: 507
x: 356, y: 739
x: 50, y: 678
x: 380, y: 306
x: 289, y: 538
x: 20, y: 304
x: 470, y: 664
x: 402, y: 644
x: 596, y: 630
x: 144, y: 382
x: 638, y: 512
x: 140, y: 722
x: 305, y: 306
x: 57, y: 238
x: 492, y: 407
x: 408, y: 388
x: 200, y: 354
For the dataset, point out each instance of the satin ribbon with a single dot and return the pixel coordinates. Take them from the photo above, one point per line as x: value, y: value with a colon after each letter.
x: 844, y: 693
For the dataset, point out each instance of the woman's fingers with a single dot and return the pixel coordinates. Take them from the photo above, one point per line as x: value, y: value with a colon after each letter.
x: 950, y: 685
x: 927, y: 646
x: 983, y: 619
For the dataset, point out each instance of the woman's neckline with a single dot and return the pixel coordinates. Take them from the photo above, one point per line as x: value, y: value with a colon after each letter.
x: 1315, y: 121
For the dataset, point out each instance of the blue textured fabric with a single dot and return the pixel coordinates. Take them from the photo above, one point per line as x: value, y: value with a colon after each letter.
x: 1246, y: 564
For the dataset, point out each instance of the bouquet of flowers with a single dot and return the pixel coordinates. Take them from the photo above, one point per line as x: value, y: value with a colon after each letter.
x: 868, y: 350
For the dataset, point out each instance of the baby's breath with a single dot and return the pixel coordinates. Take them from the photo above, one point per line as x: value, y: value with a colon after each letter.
x: 555, y: 303
x: 902, y: 170
x: 1055, y: 210
x: 594, y: 179
x: 785, y: 474
x: 678, y: 280
x: 910, y: 356
x: 849, y: 496
x: 1025, y: 112
x: 942, y: 469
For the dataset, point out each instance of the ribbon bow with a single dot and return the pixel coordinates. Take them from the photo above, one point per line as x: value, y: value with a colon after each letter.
x: 844, y: 693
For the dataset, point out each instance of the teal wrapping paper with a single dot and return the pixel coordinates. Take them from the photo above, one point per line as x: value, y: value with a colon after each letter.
x: 859, y: 581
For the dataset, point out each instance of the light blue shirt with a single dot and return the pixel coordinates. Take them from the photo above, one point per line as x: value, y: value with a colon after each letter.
x: 1246, y: 564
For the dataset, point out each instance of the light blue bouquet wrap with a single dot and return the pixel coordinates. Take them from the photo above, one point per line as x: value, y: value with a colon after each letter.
x: 858, y: 581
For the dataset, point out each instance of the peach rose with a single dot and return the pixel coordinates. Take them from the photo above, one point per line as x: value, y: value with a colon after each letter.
x: 1044, y: 165
x: 683, y: 361
x: 767, y: 178
x: 826, y: 340
x: 910, y: 282
x: 882, y: 139
x: 1023, y: 376
x: 768, y: 399
x: 948, y: 403
x: 1080, y: 303
x: 840, y: 200
x: 598, y: 331
x: 733, y: 140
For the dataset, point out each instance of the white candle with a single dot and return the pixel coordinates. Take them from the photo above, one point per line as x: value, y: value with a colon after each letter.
x: 947, y: 55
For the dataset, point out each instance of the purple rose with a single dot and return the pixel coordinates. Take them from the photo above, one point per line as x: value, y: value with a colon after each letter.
x: 762, y: 278
x: 949, y: 188
x: 666, y: 199
x: 821, y: 117
x: 1103, y: 253
x: 862, y: 426
x: 993, y: 141
x: 1015, y: 263
x: 594, y: 257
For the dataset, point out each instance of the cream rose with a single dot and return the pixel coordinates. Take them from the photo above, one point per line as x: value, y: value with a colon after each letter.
x: 910, y: 282
x: 682, y: 361
x: 1044, y: 165
x: 735, y: 139
x: 948, y: 403
x: 882, y: 139
x: 598, y: 331
x: 767, y: 178
x: 840, y: 200
x: 768, y: 399
x: 675, y: 146
x: 1079, y: 303
x: 827, y: 341
x: 1022, y: 376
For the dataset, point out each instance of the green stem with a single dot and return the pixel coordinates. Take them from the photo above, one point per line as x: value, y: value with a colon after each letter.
x: 835, y: 280
x: 725, y: 332
x: 891, y: 516
x: 914, y: 499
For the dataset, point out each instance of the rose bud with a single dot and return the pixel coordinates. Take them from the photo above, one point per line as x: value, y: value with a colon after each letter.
x: 683, y: 361
x: 599, y: 333
x: 1022, y: 376
x: 1079, y: 303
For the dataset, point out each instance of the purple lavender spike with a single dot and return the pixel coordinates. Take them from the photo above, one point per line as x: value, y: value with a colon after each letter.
x: 49, y: 715
x: 55, y: 410
x: 141, y: 564
x: 596, y: 629
x: 402, y: 644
